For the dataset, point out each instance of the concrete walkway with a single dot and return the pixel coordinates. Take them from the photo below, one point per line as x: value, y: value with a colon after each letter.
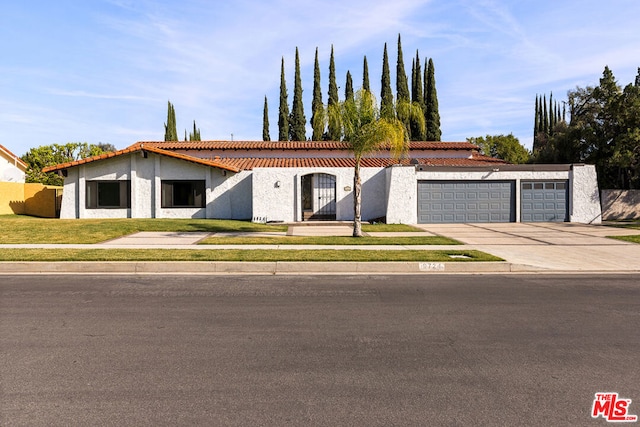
x: 526, y: 247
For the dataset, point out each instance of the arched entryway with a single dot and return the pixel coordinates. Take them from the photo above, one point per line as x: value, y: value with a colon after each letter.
x: 318, y: 197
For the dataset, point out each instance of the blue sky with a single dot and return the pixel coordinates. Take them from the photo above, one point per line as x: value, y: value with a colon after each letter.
x: 103, y: 70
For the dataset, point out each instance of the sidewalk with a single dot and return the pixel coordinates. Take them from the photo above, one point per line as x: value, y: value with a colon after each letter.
x: 526, y: 247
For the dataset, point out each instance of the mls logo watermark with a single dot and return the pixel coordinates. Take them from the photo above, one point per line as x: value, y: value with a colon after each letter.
x: 612, y: 408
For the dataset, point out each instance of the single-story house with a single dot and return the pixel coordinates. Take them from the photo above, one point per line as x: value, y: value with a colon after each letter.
x: 12, y: 167
x: 298, y: 181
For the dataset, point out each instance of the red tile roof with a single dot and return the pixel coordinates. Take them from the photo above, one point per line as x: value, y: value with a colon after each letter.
x: 294, y: 145
x: 367, y: 162
x: 141, y: 147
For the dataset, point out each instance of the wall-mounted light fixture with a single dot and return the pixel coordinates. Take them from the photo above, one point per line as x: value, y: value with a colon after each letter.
x: 277, y: 184
x: 496, y: 169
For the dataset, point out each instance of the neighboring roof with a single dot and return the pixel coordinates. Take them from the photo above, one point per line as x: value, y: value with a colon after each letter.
x: 366, y: 162
x: 293, y: 145
x: 17, y: 161
x: 141, y: 147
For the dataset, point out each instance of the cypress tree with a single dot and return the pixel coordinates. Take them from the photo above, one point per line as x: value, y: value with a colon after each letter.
x: 535, y: 126
x: 386, y: 96
x: 317, y: 109
x: 283, y: 115
x: 637, y: 82
x: 195, y: 136
x: 540, y: 117
x: 417, y: 95
x: 402, y: 86
x: 432, y: 117
x: 545, y: 117
x: 170, y: 131
x: 265, y: 121
x: 348, y: 88
x: 365, y: 76
x: 297, y: 125
x: 334, y: 128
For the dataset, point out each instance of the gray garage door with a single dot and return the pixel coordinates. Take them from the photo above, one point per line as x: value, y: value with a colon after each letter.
x: 544, y: 201
x: 466, y: 201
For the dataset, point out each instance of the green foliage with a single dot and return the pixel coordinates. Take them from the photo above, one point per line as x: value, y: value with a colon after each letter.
x: 195, y: 135
x: 170, y: 129
x: 416, y: 82
x: 334, y: 130
x: 431, y: 111
x: 386, y: 96
x: 265, y: 121
x: 298, y: 122
x: 50, y: 155
x: 402, y: 85
x: 348, y: 87
x: 317, y: 109
x: 283, y: 115
x: 604, y: 130
x: 505, y: 147
x: 365, y: 76
x: 412, y: 117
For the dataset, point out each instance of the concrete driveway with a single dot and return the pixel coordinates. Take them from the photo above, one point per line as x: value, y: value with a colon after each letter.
x: 549, y: 246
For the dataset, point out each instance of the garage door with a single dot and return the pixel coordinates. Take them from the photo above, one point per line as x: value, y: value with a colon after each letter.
x: 466, y: 201
x: 543, y: 201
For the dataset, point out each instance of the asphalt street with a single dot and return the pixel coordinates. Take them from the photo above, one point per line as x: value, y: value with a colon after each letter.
x: 361, y: 350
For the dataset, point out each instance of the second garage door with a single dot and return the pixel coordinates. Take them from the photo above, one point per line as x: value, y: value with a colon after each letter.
x: 466, y: 201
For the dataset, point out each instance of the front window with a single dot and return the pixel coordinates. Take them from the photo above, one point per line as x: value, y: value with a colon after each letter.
x: 108, y: 194
x: 183, y: 194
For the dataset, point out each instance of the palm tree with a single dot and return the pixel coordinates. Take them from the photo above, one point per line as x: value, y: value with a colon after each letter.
x: 366, y: 132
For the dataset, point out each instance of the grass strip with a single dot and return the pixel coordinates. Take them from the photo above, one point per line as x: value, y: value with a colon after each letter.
x: 329, y: 240
x: 26, y: 229
x: 240, y: 255
x: 632, y: 239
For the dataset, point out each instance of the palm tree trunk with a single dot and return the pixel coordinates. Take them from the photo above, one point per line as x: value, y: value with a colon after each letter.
x: 357, y: 201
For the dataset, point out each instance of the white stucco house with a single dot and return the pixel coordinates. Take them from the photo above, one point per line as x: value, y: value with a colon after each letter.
x: 313, y: 180
x: 12, y: 168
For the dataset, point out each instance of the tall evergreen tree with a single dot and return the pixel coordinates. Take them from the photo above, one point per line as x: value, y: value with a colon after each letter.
x: 195, y: 135
x: 265, y: 121
x: 386, y: 95
x: 417, y: 95
x: 348, y: 88
x: 170, y: 130
x: 334, y: 130
x: 432, y: 114
x: 535, y: 126
x: 317, y: 108
x: 298, y: 122
x: 365, y: 76
x: 545, y: 117
x: 402, y: 86
x: 637, y: 82
x: 283, y: 115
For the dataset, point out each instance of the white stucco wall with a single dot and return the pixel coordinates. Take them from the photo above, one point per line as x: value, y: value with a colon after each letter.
x: 9, y: 172
x: 585, y: 203
x: 401, y: 195
x: 282, y: 201
x: 230, y: 195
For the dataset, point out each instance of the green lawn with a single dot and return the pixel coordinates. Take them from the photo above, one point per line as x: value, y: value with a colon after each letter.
x: 240, y: 255
x: 632, y: 239
x: 25, y: 229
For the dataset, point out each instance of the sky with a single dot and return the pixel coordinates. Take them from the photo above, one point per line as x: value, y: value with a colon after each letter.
x: 102, y: 71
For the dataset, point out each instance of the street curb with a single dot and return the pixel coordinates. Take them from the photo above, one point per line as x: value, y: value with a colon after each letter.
x: 276, y: 267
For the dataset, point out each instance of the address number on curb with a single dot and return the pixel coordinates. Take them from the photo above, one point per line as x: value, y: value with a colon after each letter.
x: 431, y: 266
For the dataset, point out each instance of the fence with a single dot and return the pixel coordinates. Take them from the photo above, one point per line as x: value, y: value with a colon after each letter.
x: 30, y: 199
